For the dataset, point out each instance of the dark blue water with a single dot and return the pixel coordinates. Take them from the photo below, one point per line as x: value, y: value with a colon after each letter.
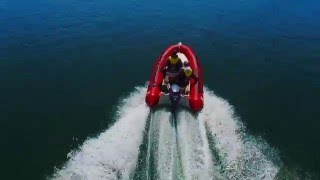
x: 65, y: 64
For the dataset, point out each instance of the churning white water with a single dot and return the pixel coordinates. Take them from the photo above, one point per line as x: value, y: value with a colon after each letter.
x: 208, y: 145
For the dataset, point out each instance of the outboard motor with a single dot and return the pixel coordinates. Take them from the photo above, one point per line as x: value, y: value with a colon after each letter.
x: 174, y: 95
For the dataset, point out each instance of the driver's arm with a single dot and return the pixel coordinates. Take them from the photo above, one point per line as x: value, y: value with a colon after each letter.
x: 195, y: 78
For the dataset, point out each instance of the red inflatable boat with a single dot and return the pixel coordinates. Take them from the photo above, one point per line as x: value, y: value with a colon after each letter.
x: 156, y: 96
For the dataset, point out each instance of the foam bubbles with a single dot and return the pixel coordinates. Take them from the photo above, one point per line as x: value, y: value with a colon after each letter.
x: 241, y: 155
x: 114, y: 153
x: 211, y: 145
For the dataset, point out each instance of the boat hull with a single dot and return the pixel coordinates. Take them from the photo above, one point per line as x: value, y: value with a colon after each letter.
x: 155, y: 96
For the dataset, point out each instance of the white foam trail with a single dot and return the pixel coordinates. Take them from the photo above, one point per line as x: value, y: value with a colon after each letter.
x: 194, y: 147
x: 149, y: 153
x: 242, y: 159
x: 153, y: 139
x: 219, y: 116
x: 114, y: 153
x: 166, y: 153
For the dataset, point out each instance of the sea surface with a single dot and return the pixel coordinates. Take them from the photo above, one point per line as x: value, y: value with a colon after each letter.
x: 73, y: 76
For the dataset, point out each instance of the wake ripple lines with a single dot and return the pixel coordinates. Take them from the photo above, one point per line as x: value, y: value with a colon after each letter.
x: 145, y: 144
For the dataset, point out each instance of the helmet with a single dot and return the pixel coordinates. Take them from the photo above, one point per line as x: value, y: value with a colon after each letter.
x: 175, y: 56
x: 187, y: 71
x: 174, y: 59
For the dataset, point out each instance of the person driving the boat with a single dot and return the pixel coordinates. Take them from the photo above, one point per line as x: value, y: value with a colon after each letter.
x: 184, y: 76
x: 173, y: 66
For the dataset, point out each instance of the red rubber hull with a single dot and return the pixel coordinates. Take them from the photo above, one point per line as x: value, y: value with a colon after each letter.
x: 196, y: 90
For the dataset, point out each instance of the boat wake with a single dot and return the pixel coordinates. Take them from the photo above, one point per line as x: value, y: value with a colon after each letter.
x: 144, y: 144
